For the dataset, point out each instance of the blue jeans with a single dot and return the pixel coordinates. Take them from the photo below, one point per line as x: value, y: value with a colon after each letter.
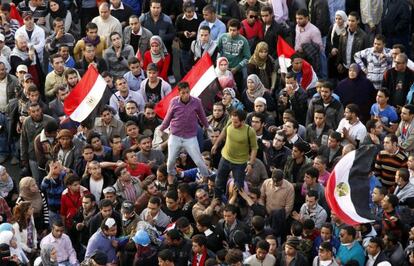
x: 175, y: 144
x: 223, y: 171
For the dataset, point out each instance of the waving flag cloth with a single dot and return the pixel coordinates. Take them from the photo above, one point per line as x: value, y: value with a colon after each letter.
x: 203, y: 84
x: 347, y: 191
x: 85, y: 96
x: 14, y: 13
x: 284, y: 53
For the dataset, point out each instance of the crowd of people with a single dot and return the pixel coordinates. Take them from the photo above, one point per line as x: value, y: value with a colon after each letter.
x: 237, y: 181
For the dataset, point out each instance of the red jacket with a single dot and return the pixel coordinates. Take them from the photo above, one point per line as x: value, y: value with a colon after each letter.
x: 250, y: 32
x: 162, y: 65
x: 70, y: 204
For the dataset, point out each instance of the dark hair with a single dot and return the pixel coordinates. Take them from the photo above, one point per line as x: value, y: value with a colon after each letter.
x: 87, y: 146
x: 149, y: 105
x: 234, y: 23
x: 327, y: 84
x: 378, y: 241
x: 92, y: 135
x: 234, y: 256
x: 261, y: 116
x: 183, y: 85
x: 313, y: 193
x: 205, y: 27
x: 51, y: 126
x: 395, y: 46
x: 392, y: 137
x: 114, y: 136
x: 125, y: 152
x: 165, y: 254
x: 312, y: 172
x: 104, y: 203
x: 71, y: 178
x: 241, y: 114
x: 296, y: 228
x: 267, y: 8
x: 53, y: 57
x: 204, y: 220
x: 230, y: 208
x: 302, y: 12
x: 91, y: 26
x: 90, y: 196
x: 301, y: 146
x: 155, y: 200
x: 200, y: 240
x: 184, y: 188
x: 308, y: 224
x: 58, y: 223
x: 188, y: 5
x: 354, y: 14
x: 410, y: 108
x: 155, y: 2
x: 392, y: 237
x: 118, y: 170
x: 350, y: 230
x: 336, y: 135
x: 319, y: 111
x: 133, y: 60
x: 371, y: 124
x: 404, y: 174
x: 295, y: 123
x: 353, y: 108
x: 290, y: 75
x: 382, y: 190
x: 258, y: 222
x: 172, y: 194
x: 209, y: 8
x: 131, y: 123
x: 380, y: 37
x: 174, y: 234
x: 182, y: 222
x: 322, y: 158
x: 69, y: 71
x: 147, y: 181
x: 328, y: 226
x: 263, y: 244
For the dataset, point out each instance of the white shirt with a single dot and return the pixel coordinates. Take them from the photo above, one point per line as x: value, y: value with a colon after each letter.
x: 96, y: 187
x: 3, y: 94
x: 357, y: 131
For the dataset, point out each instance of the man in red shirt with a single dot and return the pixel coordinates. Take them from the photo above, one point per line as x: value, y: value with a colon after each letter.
x: 136, y: 169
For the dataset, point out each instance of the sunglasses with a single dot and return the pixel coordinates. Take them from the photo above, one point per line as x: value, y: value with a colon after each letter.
x: 251, y: 16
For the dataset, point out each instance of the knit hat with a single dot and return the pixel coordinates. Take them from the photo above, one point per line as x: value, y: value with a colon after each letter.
x: 230, y: 91
x: 261, y: 100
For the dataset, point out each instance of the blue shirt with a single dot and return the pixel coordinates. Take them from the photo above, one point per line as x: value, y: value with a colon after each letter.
x: 354, y: 252
x: 134, y: 83
x: 216, y: 30
x: 387, y: 116
x: 53, y: 189
x: 103, y: 243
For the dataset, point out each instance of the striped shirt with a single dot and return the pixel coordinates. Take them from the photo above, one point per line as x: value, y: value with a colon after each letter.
x: 386, y: 165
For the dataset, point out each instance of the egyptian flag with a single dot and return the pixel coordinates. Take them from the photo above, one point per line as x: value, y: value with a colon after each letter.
x: 348, y: 189
x: 86, y: 95
x: 284, y: 53
x: 14, y: 13
x: 203, y: 84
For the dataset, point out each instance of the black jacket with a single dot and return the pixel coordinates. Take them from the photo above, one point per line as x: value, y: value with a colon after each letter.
x: 396, y: 19
x: 360, y: 43
x: 96, y: 221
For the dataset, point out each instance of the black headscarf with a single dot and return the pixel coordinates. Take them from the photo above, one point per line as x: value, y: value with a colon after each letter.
x: 61, y: 12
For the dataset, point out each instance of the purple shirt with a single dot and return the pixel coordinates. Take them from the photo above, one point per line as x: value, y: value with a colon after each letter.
x: 183, y: 118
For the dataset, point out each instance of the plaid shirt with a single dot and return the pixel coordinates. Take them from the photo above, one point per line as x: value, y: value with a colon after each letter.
x: 373, y: 64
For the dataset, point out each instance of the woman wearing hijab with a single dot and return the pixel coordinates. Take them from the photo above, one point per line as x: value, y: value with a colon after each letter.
x: 48, y: 256
x: 5, y: 257
x: 224, y: 75
x: 356, y: 88
x: 29, y: 191
x: 256, y: 89
x: 7, y: 237
x: 8, y: 189
x: 158, y: 55
x: 57, y: 9
x: 332, y: 43
x: 262, y: 64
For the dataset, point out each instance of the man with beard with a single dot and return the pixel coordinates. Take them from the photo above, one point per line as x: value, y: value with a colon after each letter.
x: 276, y: 153
x: 23, y: 54
x: 154, y: 158
x: 219, y: 117
x: 351, y: 128
x: 71, y: 78
x: 148, y: 120
x: 206, y: 206
x: 31, y: 127
x: 117, y: 55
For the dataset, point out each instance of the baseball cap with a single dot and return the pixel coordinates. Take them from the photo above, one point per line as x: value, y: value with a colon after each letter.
x: 99, y: 257
x: 27, y: 77
x: 22, y: 68
x: 127, y: 206
x: 109, y: 190
x: 27, y: 14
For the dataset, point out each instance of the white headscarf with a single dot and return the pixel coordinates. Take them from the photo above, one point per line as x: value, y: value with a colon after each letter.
x: 339, y: 30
